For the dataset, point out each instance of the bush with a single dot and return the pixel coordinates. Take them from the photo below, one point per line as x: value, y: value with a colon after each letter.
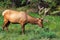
x: 52, y: 3
x: 45, y: 33
x: 5, y: 3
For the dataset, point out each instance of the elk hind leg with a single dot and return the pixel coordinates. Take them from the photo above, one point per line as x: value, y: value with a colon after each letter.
x: 5, y: 23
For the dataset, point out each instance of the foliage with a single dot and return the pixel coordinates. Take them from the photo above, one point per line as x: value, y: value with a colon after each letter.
x: 5, y: 4
x: 52, y: 3
x: 32, y: 32
x: 55, y: 12
x: 23, y: 1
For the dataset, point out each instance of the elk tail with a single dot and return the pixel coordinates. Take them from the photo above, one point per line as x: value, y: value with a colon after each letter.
x: 4, y: 12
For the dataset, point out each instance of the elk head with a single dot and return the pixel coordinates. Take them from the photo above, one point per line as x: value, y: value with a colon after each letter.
x: 40, y: 22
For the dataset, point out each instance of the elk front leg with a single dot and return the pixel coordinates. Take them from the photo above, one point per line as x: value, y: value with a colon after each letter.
x: 23, y: 29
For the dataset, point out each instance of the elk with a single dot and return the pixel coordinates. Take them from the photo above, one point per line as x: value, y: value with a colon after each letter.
x: 12, y: 16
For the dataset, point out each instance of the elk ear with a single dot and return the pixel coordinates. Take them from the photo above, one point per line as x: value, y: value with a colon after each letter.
x: 37, y: 18
x: 41, y: 19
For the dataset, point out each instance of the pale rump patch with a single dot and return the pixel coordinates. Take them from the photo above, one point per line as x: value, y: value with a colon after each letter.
x: 4, y: 12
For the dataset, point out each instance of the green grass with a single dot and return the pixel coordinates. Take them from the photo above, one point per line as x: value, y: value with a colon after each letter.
x: 33, y: 32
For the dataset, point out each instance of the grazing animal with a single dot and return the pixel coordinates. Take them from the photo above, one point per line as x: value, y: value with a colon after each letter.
x: 12, y: 16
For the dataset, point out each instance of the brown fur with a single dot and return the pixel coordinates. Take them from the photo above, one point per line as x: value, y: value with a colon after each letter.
x: 11, y: 16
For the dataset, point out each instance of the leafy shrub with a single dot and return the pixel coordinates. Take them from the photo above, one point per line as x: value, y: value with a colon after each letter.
x: 52, y: 3
x: 45, y: 33
x: 55, y: 12
x: 5, y: 3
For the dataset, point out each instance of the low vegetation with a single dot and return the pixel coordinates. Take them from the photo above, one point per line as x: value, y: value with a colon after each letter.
x: 51, y: 30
